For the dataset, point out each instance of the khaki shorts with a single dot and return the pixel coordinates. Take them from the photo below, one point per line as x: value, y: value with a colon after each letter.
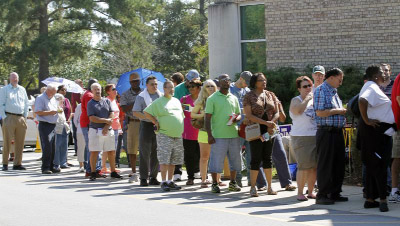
x: 133, y: 137
x: 305, y: 150
x: 396, y: 146
x: 98, y: 142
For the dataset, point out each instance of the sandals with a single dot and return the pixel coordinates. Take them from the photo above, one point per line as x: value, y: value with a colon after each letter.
x: 302, y: 198
x: 290, y: 188
x: 221, y: 184
x: 271, y: 192
x: 253, y: 192
x: 204, y: 185
x: 263, y: 188
x: 313, y: 196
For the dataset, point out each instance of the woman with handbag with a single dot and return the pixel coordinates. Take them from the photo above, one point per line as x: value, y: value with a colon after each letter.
x: 303, y: 138
x: 190, y: 144
x: 377, y: 126
x: 261, y: 107
x: 197, y: 115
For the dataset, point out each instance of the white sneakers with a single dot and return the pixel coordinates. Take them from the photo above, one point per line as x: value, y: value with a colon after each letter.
x: 177, y: 177
x: 81, y: 170
x: 133, y: 178
x: 394, y: 198
x: 197, y: 176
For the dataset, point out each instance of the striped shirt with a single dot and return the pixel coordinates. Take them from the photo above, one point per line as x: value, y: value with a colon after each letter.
x: 326, y: 97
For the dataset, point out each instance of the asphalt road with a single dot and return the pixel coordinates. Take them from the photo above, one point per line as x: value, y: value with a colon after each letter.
x: 30, y: 198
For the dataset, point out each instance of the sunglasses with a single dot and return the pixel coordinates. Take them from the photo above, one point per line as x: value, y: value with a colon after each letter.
x: 306, y: 86
x: 113, y: 89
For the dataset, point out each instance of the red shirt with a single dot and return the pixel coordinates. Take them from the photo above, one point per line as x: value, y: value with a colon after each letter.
x: 84, y: 120
x: 75, y: 98
x: 395, y: 104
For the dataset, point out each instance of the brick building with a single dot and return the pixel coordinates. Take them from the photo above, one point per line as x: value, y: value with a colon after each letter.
x: 254, y: 35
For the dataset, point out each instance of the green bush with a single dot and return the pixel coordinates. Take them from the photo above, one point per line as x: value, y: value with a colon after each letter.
x: 282, y: 82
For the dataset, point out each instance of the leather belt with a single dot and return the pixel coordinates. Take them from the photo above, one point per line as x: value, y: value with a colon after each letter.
x: 9, y: 113
x: 331, y: 128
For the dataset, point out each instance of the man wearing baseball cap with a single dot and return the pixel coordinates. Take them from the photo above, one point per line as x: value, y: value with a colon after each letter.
x: 180, y: 91
x: 318, y: 75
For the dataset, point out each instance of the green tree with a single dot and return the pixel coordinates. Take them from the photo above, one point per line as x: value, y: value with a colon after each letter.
x: 51, y: 32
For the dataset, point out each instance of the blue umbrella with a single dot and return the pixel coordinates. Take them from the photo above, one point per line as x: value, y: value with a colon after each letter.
x: 123, y: 81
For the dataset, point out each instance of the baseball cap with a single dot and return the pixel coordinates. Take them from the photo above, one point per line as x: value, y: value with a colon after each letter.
x: 318, y: 68
x: 192, y: 74
x: 246, y: 75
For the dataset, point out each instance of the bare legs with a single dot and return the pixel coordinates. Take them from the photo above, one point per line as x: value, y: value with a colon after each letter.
x: 167, y: 169
x: 205, y: 150
x: 303, y: 176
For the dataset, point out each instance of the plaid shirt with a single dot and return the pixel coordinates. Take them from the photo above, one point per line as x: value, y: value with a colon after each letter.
x: 326, y: 97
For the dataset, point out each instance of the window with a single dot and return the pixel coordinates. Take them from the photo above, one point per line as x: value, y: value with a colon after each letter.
x: 253, y: 43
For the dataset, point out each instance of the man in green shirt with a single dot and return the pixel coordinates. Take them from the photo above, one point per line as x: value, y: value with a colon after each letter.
x: 166, y: 114
x: 180, y: 91
x: 222, y: 113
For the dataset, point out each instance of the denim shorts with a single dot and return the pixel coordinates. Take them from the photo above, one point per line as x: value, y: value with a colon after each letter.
x: 225, y: 147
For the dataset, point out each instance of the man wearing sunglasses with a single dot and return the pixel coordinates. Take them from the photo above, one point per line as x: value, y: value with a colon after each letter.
x: 222, y: 114
x: 128, y: 99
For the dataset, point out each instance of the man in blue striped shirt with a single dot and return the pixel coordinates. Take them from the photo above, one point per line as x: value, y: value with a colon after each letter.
x: 13, y: 110
x: 330, y: 141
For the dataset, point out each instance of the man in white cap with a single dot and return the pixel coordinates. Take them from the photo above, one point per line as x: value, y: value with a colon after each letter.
x: 180, y: 91
x: 318, y: 75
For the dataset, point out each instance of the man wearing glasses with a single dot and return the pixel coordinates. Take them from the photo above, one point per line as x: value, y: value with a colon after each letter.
x: 222, y: 114
x: 128, y: 99
x: 147, y: 137
x: 330, y: 142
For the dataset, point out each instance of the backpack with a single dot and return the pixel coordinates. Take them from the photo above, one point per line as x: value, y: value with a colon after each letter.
x: 352, y: 106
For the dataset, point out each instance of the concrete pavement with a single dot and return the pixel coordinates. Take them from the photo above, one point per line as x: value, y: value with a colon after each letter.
x: 30, y: 198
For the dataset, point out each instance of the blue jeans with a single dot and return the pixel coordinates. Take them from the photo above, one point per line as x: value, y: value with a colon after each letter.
x: 225, y: 147
x: 281, y: 163
x: 47, y: 142
x: 85, y: 131
x: 60, y: 155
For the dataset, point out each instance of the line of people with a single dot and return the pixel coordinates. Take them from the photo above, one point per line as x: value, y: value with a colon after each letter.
x: 198, y: 124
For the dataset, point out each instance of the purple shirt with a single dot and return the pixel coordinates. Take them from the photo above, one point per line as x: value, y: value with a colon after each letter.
x: 189, y: 132
x: 67, y: 108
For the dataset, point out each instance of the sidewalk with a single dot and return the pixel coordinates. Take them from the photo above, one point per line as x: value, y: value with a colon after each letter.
x: 280, y: 208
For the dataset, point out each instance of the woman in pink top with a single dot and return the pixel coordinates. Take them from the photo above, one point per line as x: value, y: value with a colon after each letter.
x: 190, y: 134
x: 116, y: 125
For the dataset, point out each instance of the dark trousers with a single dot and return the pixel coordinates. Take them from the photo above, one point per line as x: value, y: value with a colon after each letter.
x: 119, y: 146
x: 147, y: 151
x: 375, y: 155
x: 191, y: 156
x: 47, y: 142
x: 261, y: 154
x: 74, y: 136
x: 331, y: 161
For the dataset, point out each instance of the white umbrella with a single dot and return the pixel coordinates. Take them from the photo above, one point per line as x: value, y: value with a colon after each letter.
x: 71, y: 86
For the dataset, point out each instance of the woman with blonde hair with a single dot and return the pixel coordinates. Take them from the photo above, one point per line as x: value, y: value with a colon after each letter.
x: 209, y: 87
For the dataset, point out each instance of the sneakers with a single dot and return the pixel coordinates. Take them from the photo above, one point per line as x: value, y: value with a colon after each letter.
x: 143, y: 182
x: 115, y: 175
x: 177, y: 177
x: 215, y: 188
x: 239, y: 183
x: 394, y: 198
x: 174, y: 186
x: 19, y: 167
x: 154, y: 181
x: 81, y: 170
x: 5, y: 168
x: 233, y: 186
x: 47, y: 172
x: 134, y: 178
x: 56, y: 170
x: 165, y: 186
x: 383, y: 207
x: 93, y: 176
x: 197, y: 176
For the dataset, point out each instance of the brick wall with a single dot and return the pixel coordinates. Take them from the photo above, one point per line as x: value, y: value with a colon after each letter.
x: 332, y: 32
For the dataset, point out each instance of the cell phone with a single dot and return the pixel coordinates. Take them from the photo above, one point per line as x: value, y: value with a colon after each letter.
x: 187, y: 107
